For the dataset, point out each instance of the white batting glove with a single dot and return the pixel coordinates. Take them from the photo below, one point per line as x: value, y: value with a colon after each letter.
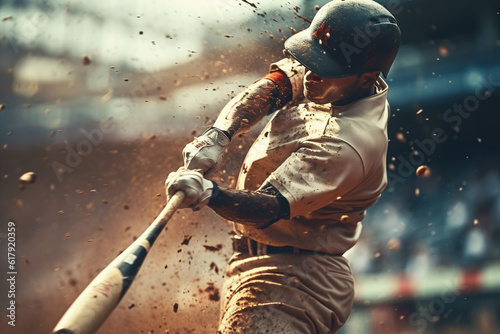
x: 205, y: 152
x: 198, y: 190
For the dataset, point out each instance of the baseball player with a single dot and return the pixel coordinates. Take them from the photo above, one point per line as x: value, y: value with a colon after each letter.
x: 308, y: 179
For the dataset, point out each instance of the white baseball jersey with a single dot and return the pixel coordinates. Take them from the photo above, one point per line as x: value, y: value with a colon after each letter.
x: 328, y: 161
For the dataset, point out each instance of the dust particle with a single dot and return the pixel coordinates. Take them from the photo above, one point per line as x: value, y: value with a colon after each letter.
x: 86, y: 60
x: 250, y: 3
x: 215, y: 248
x: 213, y: 292
x: 400, y: 137
x: 214, y: 267
x: 28, y: 178
x: 186, y: 239
x: 394, y: 244
x: 423, y: 171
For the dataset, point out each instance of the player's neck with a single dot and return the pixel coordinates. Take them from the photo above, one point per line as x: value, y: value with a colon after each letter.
x: 358, y: 95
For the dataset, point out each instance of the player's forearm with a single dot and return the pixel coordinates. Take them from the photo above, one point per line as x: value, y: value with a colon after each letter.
x: 248, y: 108
x: 250, y: 208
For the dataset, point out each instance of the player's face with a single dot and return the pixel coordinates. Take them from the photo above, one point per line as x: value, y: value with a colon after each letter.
x: 326, y: 90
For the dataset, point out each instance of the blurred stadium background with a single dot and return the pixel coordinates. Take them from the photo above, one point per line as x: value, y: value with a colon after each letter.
x: 99, y: 97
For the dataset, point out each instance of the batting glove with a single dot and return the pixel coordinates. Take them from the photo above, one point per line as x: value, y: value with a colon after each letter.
x: 198, y: 190
x: 205, y: 152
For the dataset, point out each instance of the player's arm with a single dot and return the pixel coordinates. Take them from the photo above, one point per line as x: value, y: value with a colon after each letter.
x: 244, y: 111
x: 258, y: 209
x: 258, y: 100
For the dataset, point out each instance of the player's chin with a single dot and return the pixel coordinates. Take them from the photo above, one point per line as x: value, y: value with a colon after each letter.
x: 315, y: 98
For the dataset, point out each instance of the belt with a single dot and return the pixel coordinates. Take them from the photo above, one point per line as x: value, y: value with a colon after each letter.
x: 245, y: 245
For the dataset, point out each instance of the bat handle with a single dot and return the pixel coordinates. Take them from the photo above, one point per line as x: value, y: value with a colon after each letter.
x: 173, y: 204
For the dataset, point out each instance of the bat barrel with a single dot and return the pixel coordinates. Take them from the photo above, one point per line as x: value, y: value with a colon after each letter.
x: 99, y: 299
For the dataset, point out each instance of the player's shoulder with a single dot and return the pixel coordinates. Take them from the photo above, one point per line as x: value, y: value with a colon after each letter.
x: 295, y: 72
x: 289, y: 66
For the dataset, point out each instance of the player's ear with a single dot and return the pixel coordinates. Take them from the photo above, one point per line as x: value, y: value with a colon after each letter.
x: 369, y: 78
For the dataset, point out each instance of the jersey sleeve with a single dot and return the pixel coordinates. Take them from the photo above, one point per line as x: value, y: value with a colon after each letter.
x: 319, y: 172
x: 295, y: 72
x: 283, y: 88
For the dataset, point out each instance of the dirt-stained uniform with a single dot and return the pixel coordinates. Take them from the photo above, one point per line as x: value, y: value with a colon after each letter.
x: 308, y: 179
x: 329, y: 163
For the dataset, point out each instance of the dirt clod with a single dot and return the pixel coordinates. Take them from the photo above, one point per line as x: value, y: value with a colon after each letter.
x: 186, y: 239
x: 423, y: 171
x: 213, y: 292
x: 214, y: 267
x: 86, y: 60
x: 215, y: 248
x: 28, y: 178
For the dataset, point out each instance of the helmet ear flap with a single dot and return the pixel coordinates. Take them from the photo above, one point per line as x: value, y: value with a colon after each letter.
x: 389, y: 42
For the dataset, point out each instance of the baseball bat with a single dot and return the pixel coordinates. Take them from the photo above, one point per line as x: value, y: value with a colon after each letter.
x: 102, y: 295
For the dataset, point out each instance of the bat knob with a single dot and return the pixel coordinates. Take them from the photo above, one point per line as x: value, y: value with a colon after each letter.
x: 64, y: 331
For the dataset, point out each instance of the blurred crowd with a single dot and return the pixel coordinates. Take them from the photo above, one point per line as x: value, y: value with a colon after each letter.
x: 451, y: 219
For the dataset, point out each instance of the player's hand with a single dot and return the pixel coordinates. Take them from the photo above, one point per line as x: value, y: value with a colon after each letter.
x: 198, y: 190
x: 205, y: 152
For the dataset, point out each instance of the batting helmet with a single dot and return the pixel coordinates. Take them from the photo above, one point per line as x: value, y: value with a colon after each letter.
x: 347, y: 37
